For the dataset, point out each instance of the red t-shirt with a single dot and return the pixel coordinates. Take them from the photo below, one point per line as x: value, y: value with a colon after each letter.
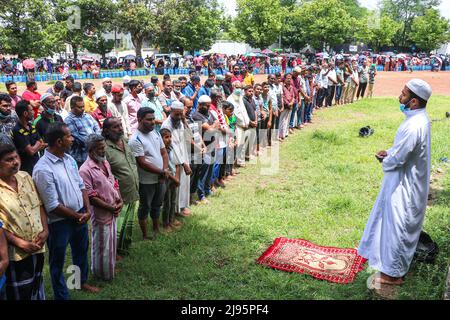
x: 28, y: 96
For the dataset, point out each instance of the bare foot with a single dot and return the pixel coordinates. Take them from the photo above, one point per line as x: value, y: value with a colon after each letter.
x: 88, y: 288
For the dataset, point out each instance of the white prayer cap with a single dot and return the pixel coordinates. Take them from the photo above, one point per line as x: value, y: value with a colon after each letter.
x: 177, y: 105
x: 100, y: 94
x: 204, y: 99
x: 126, y: 79
x: 420, y: 88
x: 298, y: 69
x: 106, y: 79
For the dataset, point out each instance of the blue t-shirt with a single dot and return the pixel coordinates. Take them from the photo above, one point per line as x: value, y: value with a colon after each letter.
x: 3, y: 278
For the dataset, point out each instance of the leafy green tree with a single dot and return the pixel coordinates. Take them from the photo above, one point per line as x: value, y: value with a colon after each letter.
x: 325, y: 23
x: 187, y: 25
x: 96, y: 16
x: 293, y: 34
x: 29, y: 29
x: 138, y: 17
x: 259, y: 21
x: 430, y: 31
x: 405, y: 11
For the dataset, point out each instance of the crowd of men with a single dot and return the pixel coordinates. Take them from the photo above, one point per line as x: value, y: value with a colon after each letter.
x: 76, y: 154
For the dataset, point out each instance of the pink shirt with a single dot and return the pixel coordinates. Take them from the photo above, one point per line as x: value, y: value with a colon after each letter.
x: 133, y: 105
x: 14, y: 100
x: 101, y: 186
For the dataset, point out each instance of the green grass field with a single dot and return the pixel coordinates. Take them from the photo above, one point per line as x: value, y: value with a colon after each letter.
x: 327, y: 182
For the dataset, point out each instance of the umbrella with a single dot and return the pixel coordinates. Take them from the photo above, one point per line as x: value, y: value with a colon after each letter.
x: 86, y: 58
x: 255, y: 54
x: 29, y: 64
x: 267, y: 51
x: 129, y: 57
x: 437, y: 58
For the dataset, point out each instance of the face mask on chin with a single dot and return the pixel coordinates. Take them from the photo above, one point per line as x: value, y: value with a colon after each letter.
x: 404, y: 107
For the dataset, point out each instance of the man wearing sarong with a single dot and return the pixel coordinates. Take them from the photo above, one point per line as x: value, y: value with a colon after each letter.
x: 106, y: 204
x: 25, y: 226
x: 392, y: 232
x: 123, y: 166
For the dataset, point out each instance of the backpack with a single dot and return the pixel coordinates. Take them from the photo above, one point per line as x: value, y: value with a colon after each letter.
x: 426, y: 250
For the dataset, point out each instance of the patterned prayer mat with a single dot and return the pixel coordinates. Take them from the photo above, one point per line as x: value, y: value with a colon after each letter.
x: 325, y: 263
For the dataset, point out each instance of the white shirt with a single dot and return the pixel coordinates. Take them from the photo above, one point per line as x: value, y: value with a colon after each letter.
x: 392, y: 232
x: 242, y: 119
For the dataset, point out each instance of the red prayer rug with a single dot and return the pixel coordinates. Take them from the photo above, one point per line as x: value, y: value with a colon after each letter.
x: 326, y: 263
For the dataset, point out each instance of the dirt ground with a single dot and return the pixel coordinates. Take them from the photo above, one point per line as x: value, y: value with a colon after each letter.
x: 388, y: 84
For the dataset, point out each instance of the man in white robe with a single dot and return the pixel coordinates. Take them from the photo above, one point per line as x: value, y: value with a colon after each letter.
x: 392, y: 232
x: 181, y: 153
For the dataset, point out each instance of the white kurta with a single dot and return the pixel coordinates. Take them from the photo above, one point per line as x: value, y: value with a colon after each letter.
x: 181, y: 154
x: 392, y: 232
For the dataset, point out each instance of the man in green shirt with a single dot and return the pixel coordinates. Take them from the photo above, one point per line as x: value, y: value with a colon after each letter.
x: 123, y: 167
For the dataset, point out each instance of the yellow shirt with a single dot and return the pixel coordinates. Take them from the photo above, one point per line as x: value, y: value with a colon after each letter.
x: 249, y: 80
x: 20, y: 212
x: 89, y: 104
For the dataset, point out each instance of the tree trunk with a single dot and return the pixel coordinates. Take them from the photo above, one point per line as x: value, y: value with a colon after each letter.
x: 137, y: 42
x: 75, y: 52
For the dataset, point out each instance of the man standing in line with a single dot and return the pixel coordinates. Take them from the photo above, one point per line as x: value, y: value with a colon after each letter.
x: 153, y: 168
x: 67, y: 205
x: 392, y: 232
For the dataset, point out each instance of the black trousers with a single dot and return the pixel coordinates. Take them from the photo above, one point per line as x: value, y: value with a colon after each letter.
x: 361, y: 90
x: 330, y: 95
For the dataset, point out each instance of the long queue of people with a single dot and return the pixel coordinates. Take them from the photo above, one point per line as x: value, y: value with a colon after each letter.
x: 75, y: 154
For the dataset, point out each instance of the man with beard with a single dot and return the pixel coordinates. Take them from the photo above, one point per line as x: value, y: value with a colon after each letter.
x: 180, y: 140
x: 106, y: 88
x: 106, y: 204
x: 395, y: 223
x: 26, y: 138
x: 237, y: 75
x: 153, y: 169
x: 123, y: 166
x: 68, y: 90
x: 133, y: 103
x: 8, y: 119
x: 102, y: 112
x: 177, y: 89
x: 208, y: 128
x: 25, y: 224
x: 67, y: 206
x: 48, y: 116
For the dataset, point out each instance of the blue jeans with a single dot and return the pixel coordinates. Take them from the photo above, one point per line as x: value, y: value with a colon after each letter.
x: 301, y: 113
x: 308, y: 112
x: 204, y: 181
x: 217, y: 164
x: 62, y: 233
x: 293, y: 114
x: 338, y: 93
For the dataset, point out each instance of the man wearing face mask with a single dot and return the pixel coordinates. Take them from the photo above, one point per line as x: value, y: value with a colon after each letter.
x: 392, y: 232
x: 8, y: 119
x: 26, y: 138
x: 181, y: 155
x: 48, y: 116
x: 151, y: 101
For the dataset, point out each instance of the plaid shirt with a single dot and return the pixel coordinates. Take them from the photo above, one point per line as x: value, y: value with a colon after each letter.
x: 81, y: 128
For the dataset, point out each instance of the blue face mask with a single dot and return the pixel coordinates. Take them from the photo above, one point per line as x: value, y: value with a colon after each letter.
x: 51, y: 111
x: 404, y: 107
x: 238, y: 92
